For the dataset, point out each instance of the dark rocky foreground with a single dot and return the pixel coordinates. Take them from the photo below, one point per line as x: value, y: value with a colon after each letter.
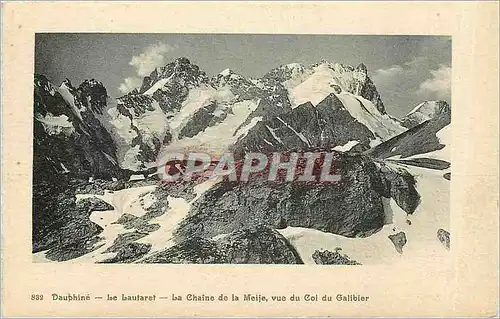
x: 126, y: 249
x: 241, y: 216
x: 256, y: 245
x: 60, y: 224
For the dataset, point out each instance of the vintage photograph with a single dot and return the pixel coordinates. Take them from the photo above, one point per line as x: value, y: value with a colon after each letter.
x: 241, y: 149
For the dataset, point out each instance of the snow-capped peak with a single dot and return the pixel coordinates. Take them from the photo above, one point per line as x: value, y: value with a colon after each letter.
x: 228, y: 77
x: 429, y: 108
x: 295, y: 68
x: 179, y: 73
x: 294, y: 65
x: 323, y: 78
x: 67, y: 84
x: 226, y: 72
x: 229, y: 73
x: 425, y: 111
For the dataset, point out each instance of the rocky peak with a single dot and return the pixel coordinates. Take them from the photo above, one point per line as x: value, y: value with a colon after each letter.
x: 69, y: 138
x: 285, y: 72
x: 182, y: 60
x: 43, y: 84
x: 431, y: 108
x: 178, y: 72
x: 228, y: 77
x: 48, y: 98
x: 357, y: 82
x: 93, y: 95
x: 133, y: 92
x: 362, y: 68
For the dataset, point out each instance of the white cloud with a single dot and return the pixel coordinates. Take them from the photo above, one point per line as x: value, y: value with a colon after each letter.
x: 129, y: 84
x: 144, y: 63
x: 439, y: 83
x: 419, y: 61
x: 151, y: 58
x: 383, y: 76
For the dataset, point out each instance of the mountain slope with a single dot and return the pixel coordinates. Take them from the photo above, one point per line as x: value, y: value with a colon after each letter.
x: 351, y: 85
x: 421, y: 139
x: 326, y: 125
x: 214, y: 119
x: 68, y: 137
x: 425, y: 111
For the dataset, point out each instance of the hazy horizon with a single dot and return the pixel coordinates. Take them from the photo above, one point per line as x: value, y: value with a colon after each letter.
x: 406, y: 70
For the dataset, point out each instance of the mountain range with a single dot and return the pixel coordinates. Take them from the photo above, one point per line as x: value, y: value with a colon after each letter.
x: 97, y: 197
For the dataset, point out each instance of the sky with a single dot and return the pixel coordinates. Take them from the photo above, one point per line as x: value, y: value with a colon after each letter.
x: 406, y: 70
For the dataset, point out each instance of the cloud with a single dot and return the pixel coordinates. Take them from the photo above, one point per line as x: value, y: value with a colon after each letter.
x: 152, y: 57
x: 384, y: 76
x: 439, y: 84
x: 416, y: 62
x: 129, y: 84
x: 419, y: 77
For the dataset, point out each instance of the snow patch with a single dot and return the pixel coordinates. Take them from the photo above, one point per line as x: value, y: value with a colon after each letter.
x: 152, y: 126
x: 224, y: 94
x: 177, y: 211
x: 123, y: 201
x: 300, y: 135
x: 197, y: 98
x: 70, y: 99
x: 226, y: 72
x: 381, y: 125
x: 276, y: 137
x: 158, y: 85
x: 242, y: 132
x: 314, y: 89
x: 268, y: 142
x: 152, y: 122
x: 131, y: 160
x: 346, y: 147
x: 65, y: 170
x: 215, y: 139
x: 136, y: 177
x: 55, y: 125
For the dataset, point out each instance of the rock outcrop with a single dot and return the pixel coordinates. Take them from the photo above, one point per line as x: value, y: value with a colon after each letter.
x: 444, y: 238
x: 256, y: 245
x: 126, y: 249
x: 352, y: 207
x: 399, y: 241
x: 61, y: 225
x: 332, y: 258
